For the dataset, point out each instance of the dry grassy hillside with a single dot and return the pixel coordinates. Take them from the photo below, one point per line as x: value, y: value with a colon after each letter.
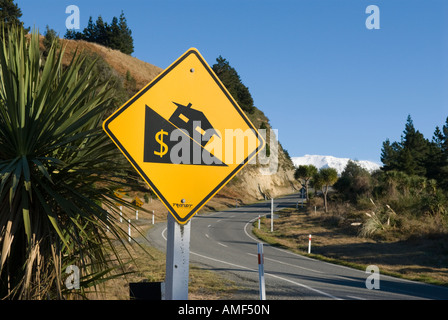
x: 249, y: 185
x: 141, y: 71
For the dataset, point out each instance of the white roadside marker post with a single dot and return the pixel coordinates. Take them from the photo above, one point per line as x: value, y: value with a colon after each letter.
x: 309, y: 244
x: 261, y: 271
x: 272, y: 214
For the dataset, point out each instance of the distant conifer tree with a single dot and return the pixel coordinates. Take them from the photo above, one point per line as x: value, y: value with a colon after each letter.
x: 125, y: 43
x: 10, y: 14
x: 416, y: 155
x: 232, y: 81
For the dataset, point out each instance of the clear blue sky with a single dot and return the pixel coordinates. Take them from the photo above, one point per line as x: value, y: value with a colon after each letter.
x: 327, y: 83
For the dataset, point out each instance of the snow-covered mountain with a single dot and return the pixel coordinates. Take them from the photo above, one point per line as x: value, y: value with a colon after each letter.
x: 332, y: 162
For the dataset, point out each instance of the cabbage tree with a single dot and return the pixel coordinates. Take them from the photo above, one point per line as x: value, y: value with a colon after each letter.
x: 58, y: 172
x: 324, y: 179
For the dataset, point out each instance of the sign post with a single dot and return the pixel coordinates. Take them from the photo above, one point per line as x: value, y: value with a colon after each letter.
x: 177, y: 260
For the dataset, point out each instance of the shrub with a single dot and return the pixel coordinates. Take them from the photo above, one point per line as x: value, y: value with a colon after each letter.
x: 380, y: 219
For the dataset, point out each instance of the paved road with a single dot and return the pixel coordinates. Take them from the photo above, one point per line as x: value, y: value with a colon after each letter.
x: 223, y: 242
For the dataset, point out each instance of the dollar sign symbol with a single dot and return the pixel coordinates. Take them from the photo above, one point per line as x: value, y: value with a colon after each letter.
x: 163, y: 147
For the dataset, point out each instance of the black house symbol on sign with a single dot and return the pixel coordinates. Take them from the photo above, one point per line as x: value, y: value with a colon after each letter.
x: 192, y: 120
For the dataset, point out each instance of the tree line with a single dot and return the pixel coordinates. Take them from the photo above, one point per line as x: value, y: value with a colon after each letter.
x: 416, y: 155
x: 115, y: 35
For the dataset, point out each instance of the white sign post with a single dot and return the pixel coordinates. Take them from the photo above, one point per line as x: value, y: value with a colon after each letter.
x: 177, y: 259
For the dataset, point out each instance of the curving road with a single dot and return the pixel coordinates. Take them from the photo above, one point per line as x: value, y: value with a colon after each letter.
x: 223, y: 242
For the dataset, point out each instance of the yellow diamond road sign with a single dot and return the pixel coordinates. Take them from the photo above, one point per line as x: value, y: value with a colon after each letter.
x: 185, y: 135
